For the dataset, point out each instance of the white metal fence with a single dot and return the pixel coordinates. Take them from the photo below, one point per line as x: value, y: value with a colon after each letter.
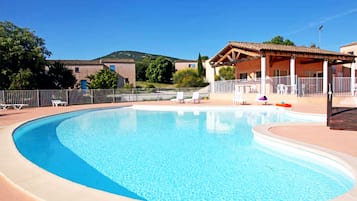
x: 304, y: 86
x: 40, y: 98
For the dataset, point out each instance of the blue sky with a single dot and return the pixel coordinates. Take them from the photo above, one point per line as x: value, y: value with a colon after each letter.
x: 79, y: 29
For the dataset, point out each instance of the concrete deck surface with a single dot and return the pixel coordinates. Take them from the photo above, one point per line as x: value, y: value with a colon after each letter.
x: 318, y: 134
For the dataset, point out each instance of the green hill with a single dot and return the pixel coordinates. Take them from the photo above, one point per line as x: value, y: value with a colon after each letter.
x: 137, y: 56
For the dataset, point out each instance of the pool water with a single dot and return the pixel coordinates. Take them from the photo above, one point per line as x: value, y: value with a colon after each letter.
x: 175, y: 155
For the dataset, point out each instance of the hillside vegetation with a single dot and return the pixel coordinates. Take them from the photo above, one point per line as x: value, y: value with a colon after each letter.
x: 137, y: 56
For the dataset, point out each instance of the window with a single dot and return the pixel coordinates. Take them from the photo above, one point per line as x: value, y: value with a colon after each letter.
x: 76, y: 69
x: 318, y: 74
x: 333, y: 69
x: 258, y: 74
x: 84, y: 84
x: 243, y: 76
x: 191, y: 65
x: 279, y: 72
x: 112, y: 67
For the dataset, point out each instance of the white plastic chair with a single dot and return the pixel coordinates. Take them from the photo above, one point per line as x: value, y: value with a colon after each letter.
x: 179, y: 97
x: 195, y: 97
x: 238, y: 98
x: 281, y: 89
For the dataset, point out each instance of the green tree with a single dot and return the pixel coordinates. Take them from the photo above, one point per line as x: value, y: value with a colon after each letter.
x: 188, y: 78
x: 204, y: 58
x: 200, y: 69
x: 160, y: 70
x: 280, y: 41
x: 60, y: 77
x: 104, y: 79
x: 140, y: 68
x: 21, y: 49
x: 313, y: 45
x: 227, y: 73
x: 23, y: 79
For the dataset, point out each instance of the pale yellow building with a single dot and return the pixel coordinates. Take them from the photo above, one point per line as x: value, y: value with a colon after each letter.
x: 184, y: 64
x: 349, y: 49
x: 83, y: 68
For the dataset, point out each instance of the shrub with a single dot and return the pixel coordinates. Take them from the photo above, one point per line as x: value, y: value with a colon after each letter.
x: 227, y: 73
x: 188, y: 78
x: 128, y: 86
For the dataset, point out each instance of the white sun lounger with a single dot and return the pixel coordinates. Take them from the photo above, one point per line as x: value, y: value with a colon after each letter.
x: 16, y: 106
x: 5, y: 106
x: 195, y: 98
x: 56, y: 103
x: 19, y: 106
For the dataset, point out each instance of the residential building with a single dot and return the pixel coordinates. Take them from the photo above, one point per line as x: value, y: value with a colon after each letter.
x: 83, y: 68
x: 193, y: 64
x: 185, y: 64
x: 345, y: 69
x: 210, y: 72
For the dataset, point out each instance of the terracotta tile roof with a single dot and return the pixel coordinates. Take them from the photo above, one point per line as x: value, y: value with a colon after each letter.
x: 109, y: 60
x: 185, y: 61
x: 260, y: 47
x: 93, y: 62
x: 77, y: 62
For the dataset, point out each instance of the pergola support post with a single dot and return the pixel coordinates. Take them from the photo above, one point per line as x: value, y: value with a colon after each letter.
x: 292, y: 73
x: 329, y: 96
x: 325, y: 75
x: 263, y: 75
x: 353, y: 78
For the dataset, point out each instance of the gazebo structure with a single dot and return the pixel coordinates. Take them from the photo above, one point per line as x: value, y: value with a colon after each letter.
x: 260, y: 61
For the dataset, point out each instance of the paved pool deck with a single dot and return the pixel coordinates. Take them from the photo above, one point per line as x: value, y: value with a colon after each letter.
x: 14, y: 185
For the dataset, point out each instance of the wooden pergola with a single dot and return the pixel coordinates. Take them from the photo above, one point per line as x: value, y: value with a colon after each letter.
x: 265, y: 57
x: 235, y: 52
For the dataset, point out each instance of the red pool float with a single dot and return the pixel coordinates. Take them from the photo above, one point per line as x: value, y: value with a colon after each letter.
x: 283, y: 104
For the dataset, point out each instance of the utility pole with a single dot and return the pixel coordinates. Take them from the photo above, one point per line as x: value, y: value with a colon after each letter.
x: 320, y: 29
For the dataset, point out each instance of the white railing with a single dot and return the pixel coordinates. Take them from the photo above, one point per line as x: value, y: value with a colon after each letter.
x: 304, y: 86
x: 228, y: 86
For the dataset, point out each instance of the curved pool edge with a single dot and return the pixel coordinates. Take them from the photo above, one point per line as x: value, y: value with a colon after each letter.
x: 37, y: 182
x: 344, y: 162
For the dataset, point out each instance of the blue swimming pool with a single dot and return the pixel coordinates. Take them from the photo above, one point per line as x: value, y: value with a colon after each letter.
x: 205, y: 154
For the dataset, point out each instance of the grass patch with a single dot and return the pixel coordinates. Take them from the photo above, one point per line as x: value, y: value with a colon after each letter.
x: 143, y: 84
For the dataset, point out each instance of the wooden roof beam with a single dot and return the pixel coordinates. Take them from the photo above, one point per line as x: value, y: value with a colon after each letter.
x: 226, y: 55
x: 235, y: 53
x: 248, y: 59
x: 249, y: 53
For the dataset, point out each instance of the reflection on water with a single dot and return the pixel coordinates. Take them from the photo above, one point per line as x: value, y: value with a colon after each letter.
x: 218, y: 123
x: 226, y: 122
